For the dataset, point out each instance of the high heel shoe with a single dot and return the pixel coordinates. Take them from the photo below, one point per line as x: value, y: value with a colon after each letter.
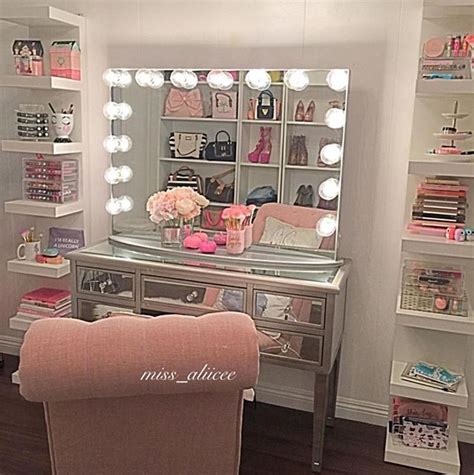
x: 302, y: 152
x: 254, y: 155
x: 309, y: 114
x: 299, y: 112
x: 267, y: 145
x: 292, y: 155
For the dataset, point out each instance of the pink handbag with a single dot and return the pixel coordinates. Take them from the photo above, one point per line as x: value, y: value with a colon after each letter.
x: 224, y: 105
x: 183, y: 103
x: 212, y: 219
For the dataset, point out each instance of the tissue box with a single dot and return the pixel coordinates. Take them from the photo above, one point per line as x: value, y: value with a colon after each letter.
x: 65, y: 59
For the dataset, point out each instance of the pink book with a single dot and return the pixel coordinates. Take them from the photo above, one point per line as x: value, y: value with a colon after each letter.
x: 48, y: 297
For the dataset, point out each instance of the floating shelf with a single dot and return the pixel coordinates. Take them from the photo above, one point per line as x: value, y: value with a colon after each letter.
x: 260, y: 165
x: 262, y: 122
x: 16, y: 377
x: 39, y: 208
x: 443, y: 167
x: 197, y: 160
x: 440, y: 461
x: 400, y: 387
x: 47, y: 148
x: 435, y: 321
x: 54, y: 271
x: 40, y: 16
x: 41, y: 82
x: 22, y: 323
x: 440, y: 246
x: 311, y: 167
x: 300, y: 122
x: 196, y: 119
x: 430, y: 87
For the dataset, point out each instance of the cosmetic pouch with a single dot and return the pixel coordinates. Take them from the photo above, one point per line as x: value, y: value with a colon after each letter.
x: 212, y: 219
x: 185, y: 176
x: 184, y: 103
x: 222, y: 150
x: 261, y: 195
x: 187, y: 145
x: 266, y: 106
x: 224, y: 105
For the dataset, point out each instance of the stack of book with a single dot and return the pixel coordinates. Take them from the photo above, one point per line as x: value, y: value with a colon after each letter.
x: 45, y: 303
x: 440, y: 202
x: 431, y: 375
x: 419, y: 424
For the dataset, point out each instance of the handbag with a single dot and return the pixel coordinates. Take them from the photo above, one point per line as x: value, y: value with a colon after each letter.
x: 261, y: 195
x: 185, y: 176
x: 219, y: 191
x: 184, y: 103
x: 212, y: 219
x: 266, y: 105
x: 224, y: 105
x: 223, y: 150
x: 305, y: 196
x: 187, y: 145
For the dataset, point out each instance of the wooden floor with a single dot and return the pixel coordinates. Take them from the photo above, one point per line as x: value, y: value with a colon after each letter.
x: 275, y: 440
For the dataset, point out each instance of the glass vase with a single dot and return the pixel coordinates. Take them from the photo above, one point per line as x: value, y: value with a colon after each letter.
x: 173, y: 232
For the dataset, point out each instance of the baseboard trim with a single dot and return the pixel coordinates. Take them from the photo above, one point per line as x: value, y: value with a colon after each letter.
x: 10, y: 345
x: 346, y: 408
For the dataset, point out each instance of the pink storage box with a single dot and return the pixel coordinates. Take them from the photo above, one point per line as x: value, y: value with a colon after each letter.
x: 65, y: 59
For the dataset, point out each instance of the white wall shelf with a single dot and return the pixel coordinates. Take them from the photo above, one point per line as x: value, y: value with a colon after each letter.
x: 441, y: 461
x: 399, y: 387
x: 16, y: 377
x: 197, y: 161
x: 39, y: 208
x: 437, y: 245
x: 436, y: 321
x: 436, y: 166
x: 47, y: 148
x: 301, y: 122
x: 22, y: 323
x: 430, y: 87
x: 41, y: 82
x: 40, y: 16
x: 53, y: 271
x: 197, y: 119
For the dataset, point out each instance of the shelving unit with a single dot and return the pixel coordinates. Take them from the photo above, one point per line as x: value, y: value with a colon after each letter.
x: 41, y: 82
x: 428, y: 336
x: 46, y: 148
x: 54, y: 271
x: 21, y: 323
x: 41, y: 209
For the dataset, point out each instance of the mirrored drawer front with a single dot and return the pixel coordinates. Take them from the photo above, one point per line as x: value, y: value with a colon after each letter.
x: 290, y: 309
x: 291, y: 346
x: 197, y: 298
x: 105, y: 282
x: 91, y: 311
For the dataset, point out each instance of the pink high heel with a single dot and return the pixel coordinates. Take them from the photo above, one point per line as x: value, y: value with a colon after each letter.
x: 254, y: 155
x: 267, y: 145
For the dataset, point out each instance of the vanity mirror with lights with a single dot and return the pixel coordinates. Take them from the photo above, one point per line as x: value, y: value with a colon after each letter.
x: 274, y: 139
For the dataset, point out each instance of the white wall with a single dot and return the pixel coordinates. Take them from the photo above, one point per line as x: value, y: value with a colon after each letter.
x: 377, y: 39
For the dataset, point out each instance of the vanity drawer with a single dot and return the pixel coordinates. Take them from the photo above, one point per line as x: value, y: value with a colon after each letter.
x: 120, y: 285
x: 291, y: 346
x: 91, y: 311
x: 290, y: 309
x: 190, y: 297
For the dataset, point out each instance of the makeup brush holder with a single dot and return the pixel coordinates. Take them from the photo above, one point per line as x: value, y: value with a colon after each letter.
x: 63, y: 125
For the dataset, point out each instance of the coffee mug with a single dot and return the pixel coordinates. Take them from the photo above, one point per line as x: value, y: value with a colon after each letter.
x: 27, y: 251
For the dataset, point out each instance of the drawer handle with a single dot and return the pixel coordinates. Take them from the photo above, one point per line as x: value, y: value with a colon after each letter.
x: 192, y: 296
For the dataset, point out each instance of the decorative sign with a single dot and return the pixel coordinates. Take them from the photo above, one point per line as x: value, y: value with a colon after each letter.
x: 66, y: 240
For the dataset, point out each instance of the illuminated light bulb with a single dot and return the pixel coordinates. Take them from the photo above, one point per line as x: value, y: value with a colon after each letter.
x: 114, y: 111
x: 338, y: 79
x: 335, y: 118
x: 113, y: 206
x: 156, y: 79
x: 184, y: 78
x: 218, y: 79
x: 258, y: 79
x: 142, y: 77
x: 126, y: 203
x: 296, y: 79
x: 112, y: 175
x: 326, y: 225
x: 111, y: 144
x: 329, y: 189
x: 125, y: 143
x: 126, y: 173
x: 331, y: 153
x: 117, y: 78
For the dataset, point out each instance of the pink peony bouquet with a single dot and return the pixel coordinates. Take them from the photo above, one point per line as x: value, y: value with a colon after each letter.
x: 181, y: 203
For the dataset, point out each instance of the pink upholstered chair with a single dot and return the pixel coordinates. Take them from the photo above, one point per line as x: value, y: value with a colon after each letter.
x: 111, y: 409
x: 298, y: 216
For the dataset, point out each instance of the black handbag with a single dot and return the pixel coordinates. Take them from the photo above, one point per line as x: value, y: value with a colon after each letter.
x: 222, y: 150
x: 266, y: 105
x: 185, y: 176
x: 219, y: 191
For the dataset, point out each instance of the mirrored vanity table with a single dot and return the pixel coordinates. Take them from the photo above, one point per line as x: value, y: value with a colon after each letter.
x: 274, y: 139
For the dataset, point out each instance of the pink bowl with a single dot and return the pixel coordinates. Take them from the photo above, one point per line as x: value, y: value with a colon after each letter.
x: 208, y: 247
